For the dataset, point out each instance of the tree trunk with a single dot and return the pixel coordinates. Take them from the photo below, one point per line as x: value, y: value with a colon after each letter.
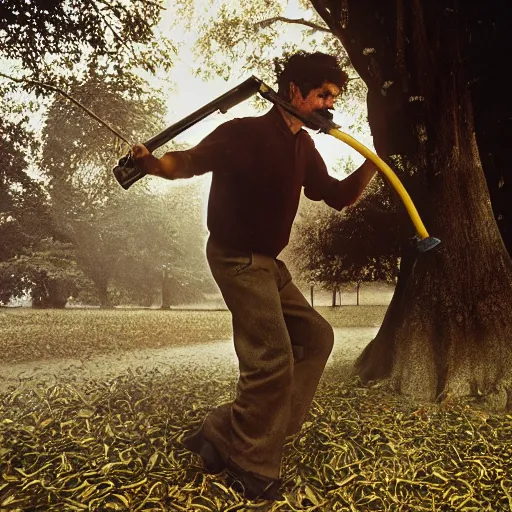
x: 334, y: 290
x: 358, y: 287
x: 102, y: 288
x: 166, y: 290
x: 448, y: 329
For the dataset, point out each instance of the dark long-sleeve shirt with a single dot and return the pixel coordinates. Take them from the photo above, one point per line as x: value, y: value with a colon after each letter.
x: 258, y: 170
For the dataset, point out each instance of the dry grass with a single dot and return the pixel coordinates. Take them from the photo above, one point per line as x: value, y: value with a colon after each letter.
x: 30, y: 334
x: 27, y: 334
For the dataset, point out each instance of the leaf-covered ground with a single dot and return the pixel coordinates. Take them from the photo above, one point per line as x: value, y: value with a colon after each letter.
x: 114, y: 444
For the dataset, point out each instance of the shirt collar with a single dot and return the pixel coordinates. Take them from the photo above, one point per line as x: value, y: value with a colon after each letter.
x: 275, y: 118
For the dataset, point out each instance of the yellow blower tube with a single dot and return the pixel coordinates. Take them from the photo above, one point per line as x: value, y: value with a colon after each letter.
x: 390, y: 175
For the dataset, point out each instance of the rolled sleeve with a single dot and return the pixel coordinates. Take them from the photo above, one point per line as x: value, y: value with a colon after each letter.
x: 217, y: 152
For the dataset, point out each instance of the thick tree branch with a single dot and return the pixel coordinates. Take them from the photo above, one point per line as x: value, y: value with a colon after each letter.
x: 352, y: 45
x: 301, y: 21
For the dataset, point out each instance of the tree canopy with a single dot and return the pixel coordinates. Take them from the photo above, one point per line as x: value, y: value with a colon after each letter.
x: 23, y: 208
x: 90, y: 51
x: 359, y: 245
x: 52, y: 38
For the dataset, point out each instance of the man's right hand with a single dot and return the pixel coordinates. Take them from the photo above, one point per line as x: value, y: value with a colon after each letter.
x: 167, y: 166
x: 144, y: 161
x: 132, y: 167
x: 139, y: 151
x: 134, y: 159
x: 139, y: 158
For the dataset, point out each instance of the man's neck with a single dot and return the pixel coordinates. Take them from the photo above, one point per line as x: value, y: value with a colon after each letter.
x: 293, y: 123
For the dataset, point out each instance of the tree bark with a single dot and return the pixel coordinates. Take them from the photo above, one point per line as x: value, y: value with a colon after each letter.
x: 448, y: 329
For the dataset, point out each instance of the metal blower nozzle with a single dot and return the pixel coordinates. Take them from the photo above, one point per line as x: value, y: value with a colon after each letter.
x: 428, y: 243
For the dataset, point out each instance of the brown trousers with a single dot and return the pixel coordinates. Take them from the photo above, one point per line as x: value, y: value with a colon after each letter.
x: 282, y: 345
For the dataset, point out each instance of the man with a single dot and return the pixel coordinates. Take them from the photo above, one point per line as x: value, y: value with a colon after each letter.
x: 259, y: 166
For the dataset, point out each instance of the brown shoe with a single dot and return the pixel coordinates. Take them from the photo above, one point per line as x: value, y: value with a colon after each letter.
x: 251, y: 485
x: 210, y: 457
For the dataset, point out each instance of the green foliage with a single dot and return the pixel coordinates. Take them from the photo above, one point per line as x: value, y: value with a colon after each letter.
x: 120, y: 240
x: 358, y: 245
x: 233, y: 33
x: 108, y: 228
x: 61, y: 42
x: 244, y: 38
x: 50, y: 38
x: 48, y: 274
x: 125, y: 242
x: 128, y: 244
x: 77, y: 149
x: 188, y: 274
x: 23, y: 208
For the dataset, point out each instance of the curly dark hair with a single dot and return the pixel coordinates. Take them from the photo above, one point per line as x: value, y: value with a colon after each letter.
x: 308, y: 71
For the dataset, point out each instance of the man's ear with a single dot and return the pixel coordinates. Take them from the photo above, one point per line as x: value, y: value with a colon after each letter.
x: 294, y: 91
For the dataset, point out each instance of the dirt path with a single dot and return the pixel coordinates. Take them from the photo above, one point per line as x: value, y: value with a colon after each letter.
x: 349, y: 342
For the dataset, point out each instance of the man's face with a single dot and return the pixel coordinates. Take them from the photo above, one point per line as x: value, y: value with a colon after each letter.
x: 318, y: 100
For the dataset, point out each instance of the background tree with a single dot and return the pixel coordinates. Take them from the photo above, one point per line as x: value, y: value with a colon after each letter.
x: 121, y: 240
x: 124, y: 248
x: 359, y: 245
x: 24, y: 218
x: 76, y: 155
x: 22, y: 198
x: 48, y: 275
x: 63, y: 42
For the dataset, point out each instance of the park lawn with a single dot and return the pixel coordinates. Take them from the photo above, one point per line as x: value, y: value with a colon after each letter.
x: 29, y: 334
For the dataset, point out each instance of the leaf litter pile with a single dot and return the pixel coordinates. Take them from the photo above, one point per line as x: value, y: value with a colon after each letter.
x: 115, y: 445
